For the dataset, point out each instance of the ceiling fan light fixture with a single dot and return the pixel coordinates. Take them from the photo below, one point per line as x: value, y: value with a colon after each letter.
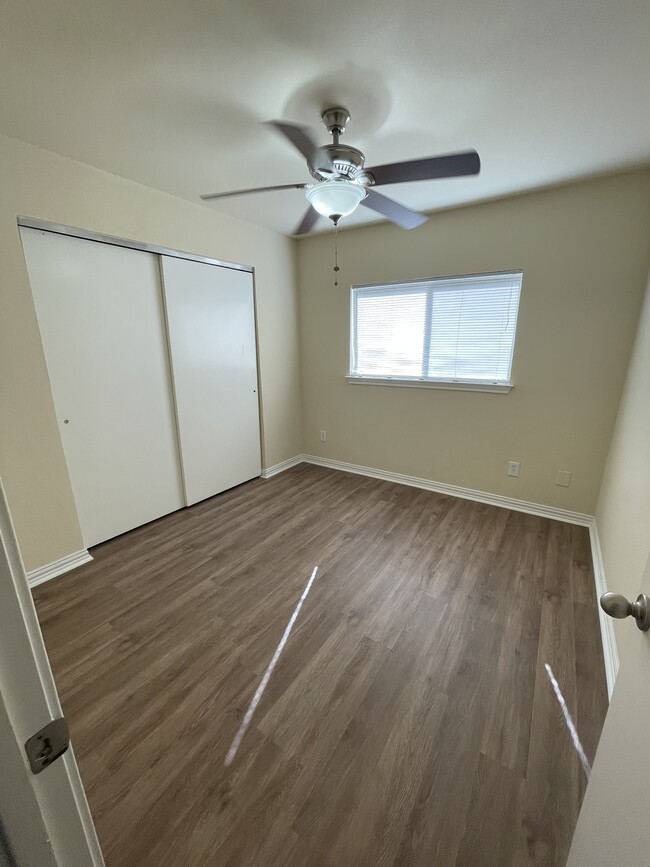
x: 342, y: 182
x: 335, y: 199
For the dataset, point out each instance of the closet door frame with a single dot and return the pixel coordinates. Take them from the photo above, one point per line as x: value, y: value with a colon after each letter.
x: 160, y: 252
x: 87, y: 235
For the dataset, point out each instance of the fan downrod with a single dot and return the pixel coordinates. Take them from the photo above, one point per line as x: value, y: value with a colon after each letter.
x: 336, y: 119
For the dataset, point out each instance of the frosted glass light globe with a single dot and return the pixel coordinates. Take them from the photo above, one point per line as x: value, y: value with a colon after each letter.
x: 336, y: 198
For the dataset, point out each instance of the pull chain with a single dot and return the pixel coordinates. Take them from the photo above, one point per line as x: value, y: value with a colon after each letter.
x: 336, y: 253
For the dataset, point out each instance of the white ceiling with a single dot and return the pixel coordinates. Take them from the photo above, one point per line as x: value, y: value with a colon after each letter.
x: 172, y: 93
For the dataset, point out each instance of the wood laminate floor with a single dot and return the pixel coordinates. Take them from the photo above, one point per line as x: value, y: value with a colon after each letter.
x: 409, y: 722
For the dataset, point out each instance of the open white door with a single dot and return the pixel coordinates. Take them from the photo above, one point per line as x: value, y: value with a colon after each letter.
x: 45, y: 817
x: 613, y: 829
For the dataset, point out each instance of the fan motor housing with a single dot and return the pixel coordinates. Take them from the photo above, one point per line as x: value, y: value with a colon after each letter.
x: 338, y: 161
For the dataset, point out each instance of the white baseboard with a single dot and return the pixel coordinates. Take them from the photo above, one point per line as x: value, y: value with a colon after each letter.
x: 456, y: 491
x: 283, y: 465
x: 608, y: 636
x: 610, y: 651
x: 58, y: 567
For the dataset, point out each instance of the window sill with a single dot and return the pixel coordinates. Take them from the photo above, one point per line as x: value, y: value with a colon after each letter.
x: 493, y: 387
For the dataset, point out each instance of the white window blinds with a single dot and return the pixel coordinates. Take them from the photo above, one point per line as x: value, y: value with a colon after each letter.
x: 450, y: 329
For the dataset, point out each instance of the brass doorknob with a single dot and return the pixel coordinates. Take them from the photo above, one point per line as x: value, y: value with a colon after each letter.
x: 618, y: 606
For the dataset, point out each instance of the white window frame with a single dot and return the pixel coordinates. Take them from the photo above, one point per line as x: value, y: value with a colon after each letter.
x: 499, y: 387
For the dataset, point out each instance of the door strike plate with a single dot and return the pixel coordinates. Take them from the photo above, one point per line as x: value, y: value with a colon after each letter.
x: 47, y: 745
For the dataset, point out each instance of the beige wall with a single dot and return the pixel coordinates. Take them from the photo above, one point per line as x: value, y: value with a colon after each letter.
x: 40, y: 184
x: 584, y: 252
x: 623, y: 513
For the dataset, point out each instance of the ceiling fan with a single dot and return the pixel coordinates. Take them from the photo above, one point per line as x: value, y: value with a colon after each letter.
x: 342, y: 181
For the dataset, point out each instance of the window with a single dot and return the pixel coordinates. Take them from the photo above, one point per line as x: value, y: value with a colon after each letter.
x: 448, y: 331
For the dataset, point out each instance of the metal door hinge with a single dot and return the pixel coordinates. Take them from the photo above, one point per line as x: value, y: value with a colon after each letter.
x: 47, y: 745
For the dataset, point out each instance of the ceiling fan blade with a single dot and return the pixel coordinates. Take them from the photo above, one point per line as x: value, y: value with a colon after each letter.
x: 404, y: 217
x: 299, y: 136
x: 253, y: 190
x: 447, y: 166
x: 308, y: 222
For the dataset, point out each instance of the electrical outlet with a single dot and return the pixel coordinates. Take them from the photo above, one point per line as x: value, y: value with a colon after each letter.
x: 563, y: 478
x: 323, y: 436
x: 513, y: 468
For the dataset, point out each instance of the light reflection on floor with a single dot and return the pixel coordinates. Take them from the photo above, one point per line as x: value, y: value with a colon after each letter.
x: 570, y: 724
x: 259, y: 692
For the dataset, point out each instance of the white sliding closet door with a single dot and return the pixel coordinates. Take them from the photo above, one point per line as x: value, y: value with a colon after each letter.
x: 100, y: 312
x: 211, y: 327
